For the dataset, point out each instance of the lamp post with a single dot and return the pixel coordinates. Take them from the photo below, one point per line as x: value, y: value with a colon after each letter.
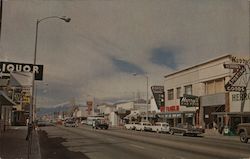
x: 32, y: 110
x: 146, y: 76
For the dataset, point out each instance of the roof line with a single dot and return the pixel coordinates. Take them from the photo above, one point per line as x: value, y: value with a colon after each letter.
x: 188, y: 68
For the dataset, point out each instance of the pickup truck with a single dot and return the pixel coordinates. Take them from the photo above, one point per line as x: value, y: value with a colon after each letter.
x: 244, y: 131
x: 186, y: 129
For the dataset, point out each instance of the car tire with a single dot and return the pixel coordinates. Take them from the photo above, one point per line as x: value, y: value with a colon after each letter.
x: 243, y: 137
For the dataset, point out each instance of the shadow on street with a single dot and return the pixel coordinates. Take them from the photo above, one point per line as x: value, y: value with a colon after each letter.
x: 52, y: 148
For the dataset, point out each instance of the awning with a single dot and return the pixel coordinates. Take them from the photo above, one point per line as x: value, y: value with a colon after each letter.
x: 5, y: 100
x: 132, y: 114
x: 230, y: 113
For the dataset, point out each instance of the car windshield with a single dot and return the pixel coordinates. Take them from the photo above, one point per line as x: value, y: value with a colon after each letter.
x: 124, y: 79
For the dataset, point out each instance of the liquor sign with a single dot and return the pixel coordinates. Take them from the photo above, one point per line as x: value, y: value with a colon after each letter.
x: 7, y: 67
x: 240, y: 69
x: 159, y: 95
x: 189, y: 100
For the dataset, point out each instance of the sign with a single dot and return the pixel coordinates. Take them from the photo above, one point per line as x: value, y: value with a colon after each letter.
x: 238, y: 60
x: 159, y: 95
x: 240, y: 69
x: 232, y: 66
x: 189, y: 101
x: 7, y: 67
x: 157, y: 89
x: 172, y: 108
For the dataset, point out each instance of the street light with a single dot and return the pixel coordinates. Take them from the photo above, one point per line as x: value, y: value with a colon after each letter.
x: 146, y: 76
x: 32, y: 107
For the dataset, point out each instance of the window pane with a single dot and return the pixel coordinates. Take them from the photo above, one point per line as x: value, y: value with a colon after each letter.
x: 171, y: 94
x: 178, y: 92
x: 188, y: 89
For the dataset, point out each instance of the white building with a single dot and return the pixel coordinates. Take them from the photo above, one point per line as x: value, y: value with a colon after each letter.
x: 108, y: 111
x: 206, y: 81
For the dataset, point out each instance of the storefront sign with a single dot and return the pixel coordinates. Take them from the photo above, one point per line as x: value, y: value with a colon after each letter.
x: 238, y: 60
x: 7, y: 67
x: 240, y: 69
x: 159, y: 95
x: 240, y: 97
x: 172, y: 108
x: 189, y: 100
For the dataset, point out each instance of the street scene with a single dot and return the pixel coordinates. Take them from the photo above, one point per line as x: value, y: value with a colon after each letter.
x: 139, y: 79
x: 120, y: 143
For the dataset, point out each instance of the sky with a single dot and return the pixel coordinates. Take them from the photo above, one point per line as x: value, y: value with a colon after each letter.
x: 107, y: 41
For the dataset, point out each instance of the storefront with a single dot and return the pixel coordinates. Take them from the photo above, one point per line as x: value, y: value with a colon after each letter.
x: 5, y: 111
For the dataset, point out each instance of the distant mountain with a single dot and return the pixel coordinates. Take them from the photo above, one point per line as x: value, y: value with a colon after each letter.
x: 50, y: 111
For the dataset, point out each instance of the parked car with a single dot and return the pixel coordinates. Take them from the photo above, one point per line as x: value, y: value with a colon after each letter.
x: 131, y: 126
x: 244, y: 131
x: 41, y: 123
x: 100, y: 124
x: 84, y: 122
x: 186, y: 129
x: 161, y: 127
x: 142, y: 125
x: 70, y: 123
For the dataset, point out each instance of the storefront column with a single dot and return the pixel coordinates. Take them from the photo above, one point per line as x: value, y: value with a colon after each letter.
x: 201, y: 117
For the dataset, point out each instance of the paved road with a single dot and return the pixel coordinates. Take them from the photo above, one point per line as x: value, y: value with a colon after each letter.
x: 83, y: 142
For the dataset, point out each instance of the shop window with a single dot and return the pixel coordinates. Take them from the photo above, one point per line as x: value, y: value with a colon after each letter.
x: 219, y: 85
x: 210, y: 87
x: 188, y: 89
x: 215, y: 86
x: 178, y: 92
x: 170, y: 94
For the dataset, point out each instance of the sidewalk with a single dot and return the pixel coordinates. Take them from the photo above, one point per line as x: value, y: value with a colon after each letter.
x: 210, y: 133
x: 14, y: 146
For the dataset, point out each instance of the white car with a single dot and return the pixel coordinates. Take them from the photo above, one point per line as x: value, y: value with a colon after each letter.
x: 142, y: 125
x: 131, y: 126
x: 161, y: 127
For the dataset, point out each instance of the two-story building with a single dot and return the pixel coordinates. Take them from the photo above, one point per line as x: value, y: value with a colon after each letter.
x: 206, y: 82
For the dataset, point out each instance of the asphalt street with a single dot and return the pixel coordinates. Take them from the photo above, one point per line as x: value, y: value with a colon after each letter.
x: 83, y: 143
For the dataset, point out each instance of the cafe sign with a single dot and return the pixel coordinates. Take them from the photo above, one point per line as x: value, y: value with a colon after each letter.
x: 189, y: 100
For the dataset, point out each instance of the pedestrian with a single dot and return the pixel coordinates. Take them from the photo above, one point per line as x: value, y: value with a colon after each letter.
x: 27, y: 121
x: 214, y: 125
x: 93, y: 125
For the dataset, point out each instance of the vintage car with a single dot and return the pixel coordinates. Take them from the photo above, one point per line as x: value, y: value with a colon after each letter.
x: 244, y: 131
x: 70, y: 123
x: 161, y: 127
x: 186, y: 129
x: 143, y: 126
x: 131, y: 126
x: 100, y: 124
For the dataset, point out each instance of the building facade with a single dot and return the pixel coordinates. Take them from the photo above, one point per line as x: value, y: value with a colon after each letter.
x: 207, y: 81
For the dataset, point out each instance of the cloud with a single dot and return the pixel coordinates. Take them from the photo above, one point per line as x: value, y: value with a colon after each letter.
x: 165, y: 57
x: 106, y: 41
x: 127, y: 67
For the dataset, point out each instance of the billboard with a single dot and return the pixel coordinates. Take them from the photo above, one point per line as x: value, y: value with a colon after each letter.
x: 8, y: 67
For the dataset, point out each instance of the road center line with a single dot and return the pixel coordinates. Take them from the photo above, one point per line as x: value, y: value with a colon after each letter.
x: 137, y: 146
